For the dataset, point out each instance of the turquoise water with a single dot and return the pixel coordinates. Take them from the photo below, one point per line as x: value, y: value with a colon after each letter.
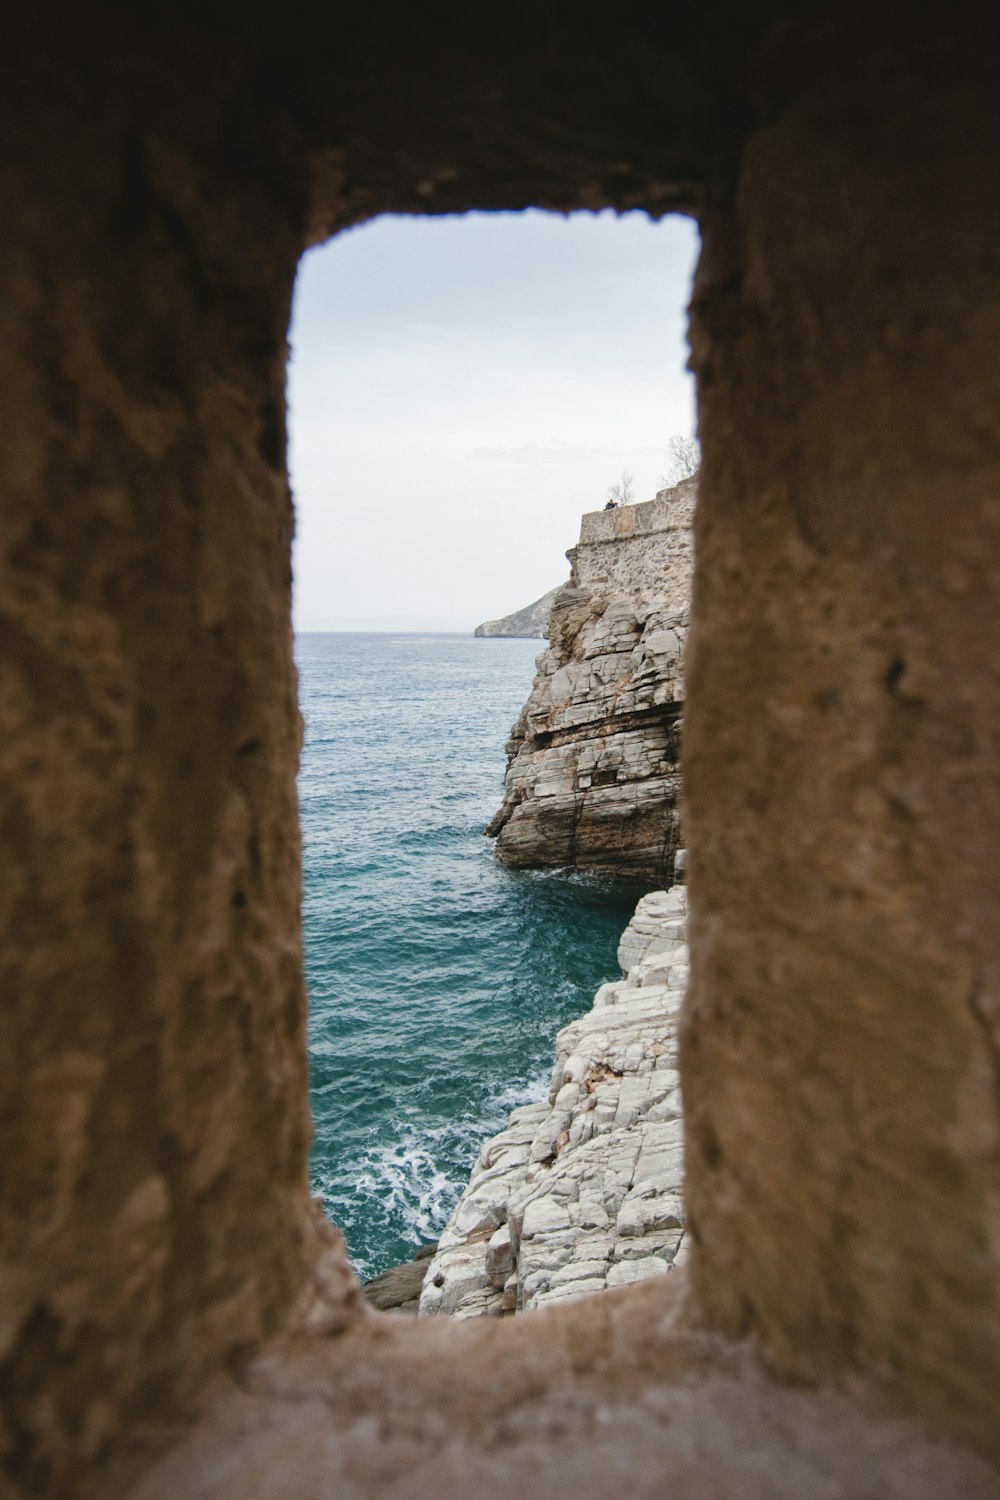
x: 437, y: 979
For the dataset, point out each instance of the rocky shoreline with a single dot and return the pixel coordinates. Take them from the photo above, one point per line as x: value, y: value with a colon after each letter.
x: 593, y: 763
x: 397, y: 1290
x: 583, y: 1191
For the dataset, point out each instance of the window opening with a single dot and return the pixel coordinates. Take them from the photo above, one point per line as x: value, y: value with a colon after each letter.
x: 462, y: 392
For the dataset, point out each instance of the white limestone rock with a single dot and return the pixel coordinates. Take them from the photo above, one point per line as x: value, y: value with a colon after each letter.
x: 659, y: 921
x: 593, y: 773
x: 585, y: 1191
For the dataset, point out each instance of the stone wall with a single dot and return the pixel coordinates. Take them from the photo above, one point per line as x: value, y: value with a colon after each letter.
x: 593, y: 763
x: 154, y: 1123
x: 620, y: 551
x: 164, y: 168
x: 841, y: 1056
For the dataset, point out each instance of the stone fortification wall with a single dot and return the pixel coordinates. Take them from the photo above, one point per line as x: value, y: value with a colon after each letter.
x: 582, y: 1192
x: 622, y: 550
x: 593, y: 774
x: 842, y: 1027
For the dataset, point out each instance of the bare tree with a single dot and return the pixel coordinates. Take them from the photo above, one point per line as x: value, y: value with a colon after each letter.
x: 620, y: 493
x: 683, y: 459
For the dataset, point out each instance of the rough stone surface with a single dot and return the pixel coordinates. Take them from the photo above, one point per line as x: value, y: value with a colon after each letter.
x: 610, y: 1394
x: 397, y: 1290
x: 658, y: 922
x: 593, y: 776
x: 841, y: 1053
x: 164, y: 166
x: 154, y: 1121
x: 584, y: 1191
x: 529, y: 622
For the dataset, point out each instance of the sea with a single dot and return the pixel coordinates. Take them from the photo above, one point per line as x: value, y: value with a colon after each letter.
x: 437, y: 978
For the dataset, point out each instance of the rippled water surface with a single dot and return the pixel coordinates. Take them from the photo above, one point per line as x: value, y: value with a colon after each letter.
x: 437, y: 979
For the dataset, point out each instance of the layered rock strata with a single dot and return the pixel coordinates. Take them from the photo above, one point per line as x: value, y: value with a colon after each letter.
x: 583, y: 1191
x: 593, y: 774
x: 528, y: 623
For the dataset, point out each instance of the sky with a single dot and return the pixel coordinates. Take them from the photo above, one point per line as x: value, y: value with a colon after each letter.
x: 461, y: 390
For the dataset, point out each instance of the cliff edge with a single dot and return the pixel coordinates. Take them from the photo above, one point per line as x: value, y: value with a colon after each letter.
x: 593, y: 773
x: 528, y: 623
x: 585, y: 1191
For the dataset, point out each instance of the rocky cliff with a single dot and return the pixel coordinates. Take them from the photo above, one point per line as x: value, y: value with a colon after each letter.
x: 583, y: 1192
x: 593, y: 777
x: 531, y: 621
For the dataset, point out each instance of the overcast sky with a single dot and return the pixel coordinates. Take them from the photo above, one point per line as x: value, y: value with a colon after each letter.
x: 461, y: 390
